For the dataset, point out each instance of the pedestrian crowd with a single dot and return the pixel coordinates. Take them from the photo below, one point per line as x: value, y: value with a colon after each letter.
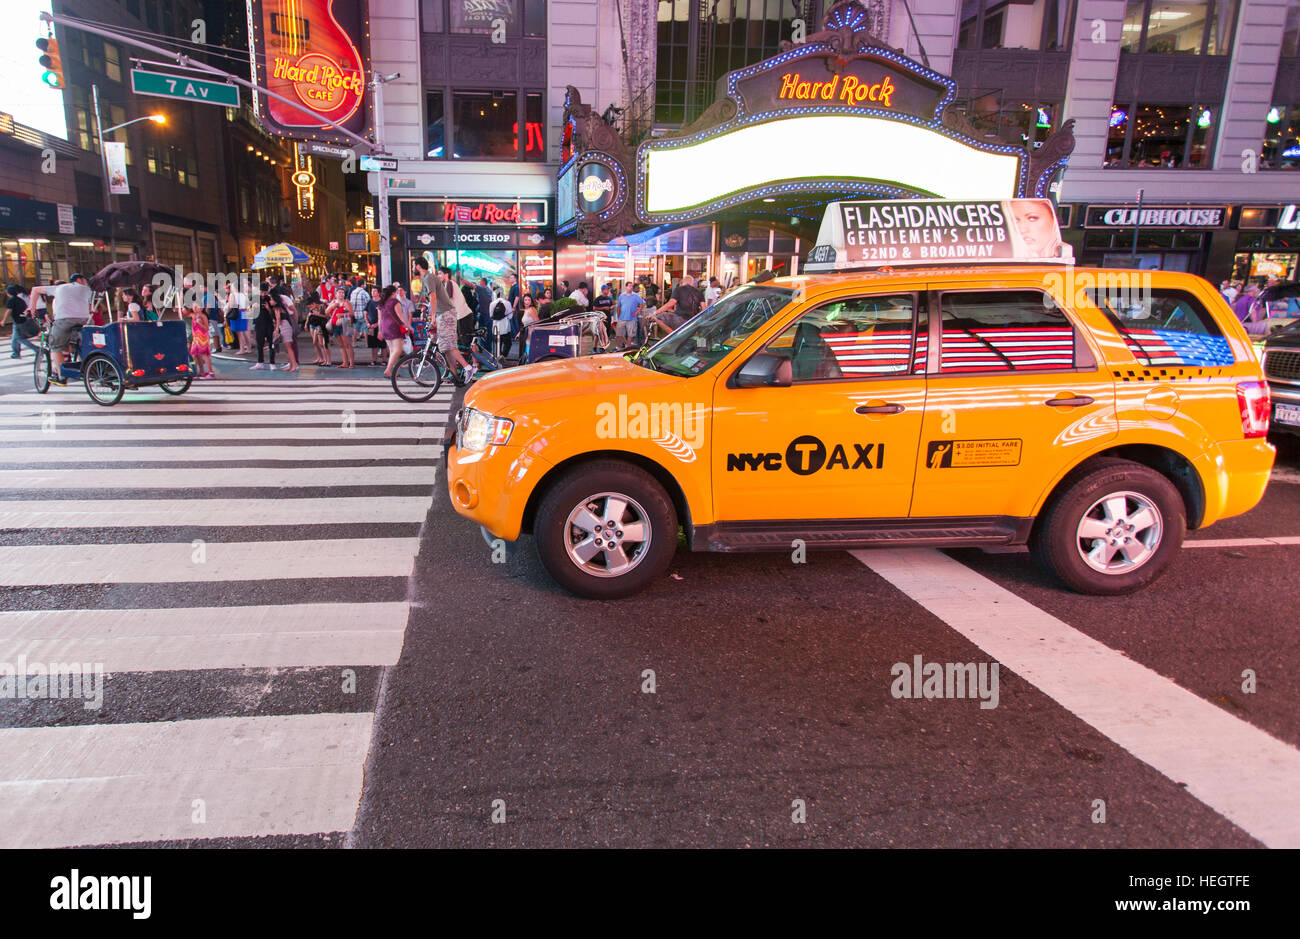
x: 1253, y: 312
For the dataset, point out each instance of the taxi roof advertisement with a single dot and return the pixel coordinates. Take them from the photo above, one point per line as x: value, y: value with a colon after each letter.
x: 861, y: 234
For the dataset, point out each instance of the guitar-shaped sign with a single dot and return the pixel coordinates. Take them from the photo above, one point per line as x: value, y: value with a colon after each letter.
x: 309, y: 56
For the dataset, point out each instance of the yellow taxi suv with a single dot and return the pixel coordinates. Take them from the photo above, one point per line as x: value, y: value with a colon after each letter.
x: 1094, y: 415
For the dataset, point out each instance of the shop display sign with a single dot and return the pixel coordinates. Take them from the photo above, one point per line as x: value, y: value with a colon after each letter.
x: 310, y: 51
x: 931, y: 231
x: 480, y: 14
x: 530, y: 213
x: 1156, y: 216
x: 476, y: 238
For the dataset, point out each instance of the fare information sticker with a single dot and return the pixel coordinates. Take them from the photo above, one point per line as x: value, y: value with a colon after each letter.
x: 964, y: 454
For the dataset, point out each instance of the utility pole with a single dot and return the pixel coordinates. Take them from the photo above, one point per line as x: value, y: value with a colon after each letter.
x: 385, y: 255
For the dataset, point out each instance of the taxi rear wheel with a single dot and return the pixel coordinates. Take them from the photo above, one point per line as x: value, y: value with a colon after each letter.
x: 606, y: 530
x: 1114, y: 528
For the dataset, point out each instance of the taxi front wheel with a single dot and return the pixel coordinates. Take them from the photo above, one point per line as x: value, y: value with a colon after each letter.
x: 1114, y: 528
x: 605, y: 530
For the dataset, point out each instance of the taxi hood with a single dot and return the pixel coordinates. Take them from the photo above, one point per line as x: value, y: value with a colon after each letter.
x: 514, y: 390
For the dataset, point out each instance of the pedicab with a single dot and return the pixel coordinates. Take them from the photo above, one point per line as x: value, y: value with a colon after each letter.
x: 563, y: 337
x: 112, y: 358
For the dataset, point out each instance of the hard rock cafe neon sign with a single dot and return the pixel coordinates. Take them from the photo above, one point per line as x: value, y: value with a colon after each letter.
x: 851, y: 90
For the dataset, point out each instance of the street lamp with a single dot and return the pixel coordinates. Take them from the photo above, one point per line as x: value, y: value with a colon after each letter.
x: 101, y: 130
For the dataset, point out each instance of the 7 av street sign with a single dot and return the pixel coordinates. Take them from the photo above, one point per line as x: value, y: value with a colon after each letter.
x: 186, y: 89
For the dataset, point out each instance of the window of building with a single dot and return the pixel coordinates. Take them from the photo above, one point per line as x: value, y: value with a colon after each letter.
x: 1016, y: 24
x: 1012, y: 120
x: 1291, y: 31
x: 435, y: 137
x: 133, y: 7
x: 483, y: 124
x: 1004, y: 330
x: 520, y: 17
x: 858, y: 337
x: 1281, y: 148
x: 112, y: 62
x: 1173, y: 136
x: 1171, y: 26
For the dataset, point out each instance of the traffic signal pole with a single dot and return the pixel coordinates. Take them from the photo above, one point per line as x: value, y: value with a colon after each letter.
x: 181, y: 60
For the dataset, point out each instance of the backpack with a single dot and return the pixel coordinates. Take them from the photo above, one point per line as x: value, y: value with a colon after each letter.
x: 500, y: 309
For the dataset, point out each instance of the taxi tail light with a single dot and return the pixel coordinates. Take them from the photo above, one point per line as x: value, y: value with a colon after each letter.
x: 1253, y: 400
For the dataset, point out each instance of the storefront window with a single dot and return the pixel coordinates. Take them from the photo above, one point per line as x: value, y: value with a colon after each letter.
x: 1281, y: 148
x: 1171, y: 26
x: 431, y: 18
x: 1003, y: 24
x: 485, y: 124
x: 518, y: 17
x: 1171, y: 136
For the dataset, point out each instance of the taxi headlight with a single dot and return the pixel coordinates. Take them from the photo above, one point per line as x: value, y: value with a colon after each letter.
x: 480, y: 430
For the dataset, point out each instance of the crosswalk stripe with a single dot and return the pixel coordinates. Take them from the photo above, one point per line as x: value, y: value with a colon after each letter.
x: 259, y: 478
x: 424, y: 417
x: 221, y: 513
x: 1238, y: 770
x: 183, y: 562
x: 188, y: 638
x: 113, y: 783
x: 340, y: 432
x: 188, y: 454
x: 185, y: 404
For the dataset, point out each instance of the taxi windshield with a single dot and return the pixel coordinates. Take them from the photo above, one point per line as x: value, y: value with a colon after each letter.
x: 702, y: 343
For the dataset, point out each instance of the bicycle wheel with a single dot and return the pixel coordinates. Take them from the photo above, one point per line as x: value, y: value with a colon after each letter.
x: 41, y: 370
x: 416, y: 379
x: 103, y: 380
x: 177, y: 386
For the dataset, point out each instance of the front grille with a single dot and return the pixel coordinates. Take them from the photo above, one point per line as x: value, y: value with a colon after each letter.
x: 1282, y: 363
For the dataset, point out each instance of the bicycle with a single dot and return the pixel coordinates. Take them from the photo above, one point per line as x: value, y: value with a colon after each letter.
x: 419, y: 374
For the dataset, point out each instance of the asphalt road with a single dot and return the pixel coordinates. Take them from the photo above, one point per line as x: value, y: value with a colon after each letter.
x: 489, y: 708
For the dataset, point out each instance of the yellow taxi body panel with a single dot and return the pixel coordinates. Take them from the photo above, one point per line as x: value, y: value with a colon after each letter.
x: 948, y: 444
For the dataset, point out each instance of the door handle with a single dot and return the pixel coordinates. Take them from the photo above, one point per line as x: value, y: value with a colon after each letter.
x: 1076, y: 401
x: 879, y: 409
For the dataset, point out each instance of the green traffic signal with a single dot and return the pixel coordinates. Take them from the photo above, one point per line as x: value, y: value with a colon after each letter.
x: 50, y: 61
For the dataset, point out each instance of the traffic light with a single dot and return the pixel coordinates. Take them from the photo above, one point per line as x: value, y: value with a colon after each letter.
x: 50, y: 61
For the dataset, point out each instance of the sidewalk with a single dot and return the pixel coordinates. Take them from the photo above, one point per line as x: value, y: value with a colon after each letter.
x: 228, y: 364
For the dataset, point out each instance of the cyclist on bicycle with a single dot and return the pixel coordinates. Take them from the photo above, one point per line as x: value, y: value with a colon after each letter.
x: 70, y: 311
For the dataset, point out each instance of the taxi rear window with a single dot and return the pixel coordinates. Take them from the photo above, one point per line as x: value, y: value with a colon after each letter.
x: 1164, y: 327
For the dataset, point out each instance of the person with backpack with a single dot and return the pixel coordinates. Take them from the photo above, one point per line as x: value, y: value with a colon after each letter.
x: 25, y: 325
x: 502, y: 320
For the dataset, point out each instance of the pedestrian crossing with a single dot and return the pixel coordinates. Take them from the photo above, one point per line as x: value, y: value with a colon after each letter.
x: 281, y: 524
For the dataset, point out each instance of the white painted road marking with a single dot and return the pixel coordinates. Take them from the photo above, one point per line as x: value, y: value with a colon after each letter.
x: 113, y: 783
x: 223, y: 513
x: 1238, y: 770
x: 199, y: 453
x: 174, y: 562
x: 189, y: 638
x: 234, y: 433
x: 259, y: 478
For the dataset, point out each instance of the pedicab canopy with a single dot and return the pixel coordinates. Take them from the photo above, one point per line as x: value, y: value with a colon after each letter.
x: 865, y: 234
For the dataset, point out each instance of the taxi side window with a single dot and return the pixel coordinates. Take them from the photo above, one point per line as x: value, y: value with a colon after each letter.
x: 1004, y: 331
x: 1161, y: 326
x: 857, y: 337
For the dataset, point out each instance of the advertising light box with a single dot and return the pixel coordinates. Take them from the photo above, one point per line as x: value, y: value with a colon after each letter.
x: 862, y: 234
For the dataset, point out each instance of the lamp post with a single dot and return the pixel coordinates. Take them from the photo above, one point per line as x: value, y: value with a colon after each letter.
x: 101, y: 130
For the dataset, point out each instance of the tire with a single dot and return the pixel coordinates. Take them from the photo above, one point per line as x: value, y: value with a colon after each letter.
x: 104, y: 380
x: 599, y: 484
x: 1151, y: 521
x: 177, y: 386
x: 41, y: 370
x: 415, y: 378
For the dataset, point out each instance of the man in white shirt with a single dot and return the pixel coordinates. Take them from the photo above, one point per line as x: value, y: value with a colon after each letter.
x: 71, y: 311
x: 712, y: 292
x: 580, y: 294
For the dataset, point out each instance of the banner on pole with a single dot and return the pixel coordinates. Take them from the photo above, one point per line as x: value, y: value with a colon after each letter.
x: 115, y: 158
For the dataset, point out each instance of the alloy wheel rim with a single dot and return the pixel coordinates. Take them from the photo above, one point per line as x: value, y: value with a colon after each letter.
x: 1119, y: 533
x: 607, y: 534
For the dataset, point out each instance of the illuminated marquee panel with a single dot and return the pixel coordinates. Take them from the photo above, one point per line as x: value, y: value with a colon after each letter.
x: 833, y: 152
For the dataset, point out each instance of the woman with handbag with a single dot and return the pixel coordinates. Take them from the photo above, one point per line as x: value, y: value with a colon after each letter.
x: 26, y: 327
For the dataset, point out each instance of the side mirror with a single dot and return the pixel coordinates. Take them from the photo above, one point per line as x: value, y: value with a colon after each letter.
x: 764, y: 370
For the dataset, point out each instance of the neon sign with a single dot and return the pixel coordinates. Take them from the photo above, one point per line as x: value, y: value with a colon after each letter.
x: 852, y: 91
